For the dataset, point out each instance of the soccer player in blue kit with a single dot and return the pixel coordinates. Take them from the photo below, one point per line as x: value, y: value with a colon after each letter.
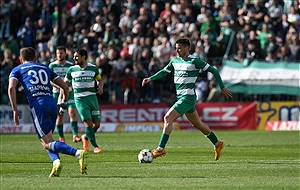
x: 35, y: 79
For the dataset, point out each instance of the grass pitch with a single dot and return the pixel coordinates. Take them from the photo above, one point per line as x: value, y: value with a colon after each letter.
x: 250, y: 160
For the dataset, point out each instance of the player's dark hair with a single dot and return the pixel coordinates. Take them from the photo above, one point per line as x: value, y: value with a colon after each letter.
x: 62, y: 48
x: 82, y: 52
x: 184, y: 42
x: 28, y: 54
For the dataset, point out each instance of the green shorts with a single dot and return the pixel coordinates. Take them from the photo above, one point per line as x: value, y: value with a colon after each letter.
x: 185, y: 105
x: 88, y: 107
x: 71, y: 102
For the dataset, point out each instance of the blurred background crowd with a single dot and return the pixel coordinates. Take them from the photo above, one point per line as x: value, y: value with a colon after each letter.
x: 129, y: 40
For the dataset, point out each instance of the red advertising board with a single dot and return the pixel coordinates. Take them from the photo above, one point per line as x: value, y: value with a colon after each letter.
x: 216, y: 115
x: 283, y: 126
x: 233, y: 115
x: 150, y: 117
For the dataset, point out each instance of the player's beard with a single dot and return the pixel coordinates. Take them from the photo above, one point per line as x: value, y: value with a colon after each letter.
x: 79, y: 63
x: 62, y: 60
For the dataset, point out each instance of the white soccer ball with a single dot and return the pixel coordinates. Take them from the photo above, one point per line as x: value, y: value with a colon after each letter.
x: 145, y: 156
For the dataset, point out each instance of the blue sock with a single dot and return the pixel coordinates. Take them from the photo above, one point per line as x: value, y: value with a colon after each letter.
x: 53, y: 155
x: 62, y: 147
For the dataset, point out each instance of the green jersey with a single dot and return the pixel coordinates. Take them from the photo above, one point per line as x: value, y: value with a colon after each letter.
x: 83, y: 80
x: 186, y: 73
x: 60, y: 70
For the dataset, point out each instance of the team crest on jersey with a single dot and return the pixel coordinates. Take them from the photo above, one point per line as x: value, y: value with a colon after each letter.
x: 95, y: 112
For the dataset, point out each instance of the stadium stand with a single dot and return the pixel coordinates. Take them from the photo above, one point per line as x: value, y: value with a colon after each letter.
x: 138, y: 37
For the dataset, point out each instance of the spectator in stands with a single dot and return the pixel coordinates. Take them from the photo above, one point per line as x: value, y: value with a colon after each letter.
x: 116, y: 75
x: 272, y: 45
x: 126, y: 19
x: 275, y: 10
x: 201, y: 89
x: 263, y: 37
x: 90, y: 17
x: 26, y: 34
x: 271, y: 57
x: 163, y: 52
x: 252, y: 53
x: 225, y: 34
x: 43, y: 34
x: 156, y: 86
x: 167, y: 12
x: 154, y: 13
x: 240, y: 56
x: 258, y: 10
x: 5, y: 27
x: 129, y: 87
x: 15, y: 16
x: 243, y: 34
x: 295, y: 47
x: 7, y: 64
x: 243, y: 10
x: 44, y: 57
x: 214, y: 94
x: 140, y: 74
x: 202, y: 17
x: 284, y: 54
x: 97, y: 28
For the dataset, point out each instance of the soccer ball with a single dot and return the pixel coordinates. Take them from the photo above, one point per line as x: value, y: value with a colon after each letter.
x: 145, y: 156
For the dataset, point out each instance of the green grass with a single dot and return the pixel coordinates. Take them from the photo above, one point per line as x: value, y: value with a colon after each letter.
x: 250, y: 160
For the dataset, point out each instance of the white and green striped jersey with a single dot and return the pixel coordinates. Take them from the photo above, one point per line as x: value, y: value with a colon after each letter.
x: 186, y: 73
x: 83, y: 79
x: 60, y: 70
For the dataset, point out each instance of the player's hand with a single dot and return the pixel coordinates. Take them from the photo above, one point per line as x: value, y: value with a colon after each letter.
x: 145, y: 81
x: 62, y: 109
x: 100, y: 91
x: 17, y: 116
x: 226, y: 93
x: 63, y: 106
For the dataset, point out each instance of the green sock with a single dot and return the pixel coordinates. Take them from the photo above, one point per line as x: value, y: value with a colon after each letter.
x: 163, y: 140
x: 95, y: 130
x: 212, y: 137
x: 60, y: 130
x: 74, y: 127
x: 91, y: 135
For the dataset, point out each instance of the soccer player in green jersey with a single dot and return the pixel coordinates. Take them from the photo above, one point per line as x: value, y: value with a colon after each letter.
x: 60, y: 67
x: 186, y: 68
x: 82, y: 76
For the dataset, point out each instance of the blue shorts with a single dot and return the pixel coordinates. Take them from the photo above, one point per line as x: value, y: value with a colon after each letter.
x: 44, y: 113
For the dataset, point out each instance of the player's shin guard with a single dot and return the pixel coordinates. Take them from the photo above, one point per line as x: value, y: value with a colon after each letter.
x: 74, y: 126
x: 163, y: 140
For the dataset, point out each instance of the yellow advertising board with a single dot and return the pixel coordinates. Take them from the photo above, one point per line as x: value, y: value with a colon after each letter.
x: 277, y: 111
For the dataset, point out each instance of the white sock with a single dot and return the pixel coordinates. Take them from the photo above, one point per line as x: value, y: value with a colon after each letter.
x: 159, y: 149
x: 55, y: 161
x: 77, y: 154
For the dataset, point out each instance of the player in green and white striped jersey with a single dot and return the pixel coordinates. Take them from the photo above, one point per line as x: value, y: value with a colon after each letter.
x: 186, y: 68
x: 60, y: 67
x: 82, y: 76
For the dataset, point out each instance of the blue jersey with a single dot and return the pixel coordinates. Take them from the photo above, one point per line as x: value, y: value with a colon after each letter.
x: 35, y: 79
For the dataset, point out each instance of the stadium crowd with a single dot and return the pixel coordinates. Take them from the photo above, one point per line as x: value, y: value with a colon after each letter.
x: 129, y: 40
